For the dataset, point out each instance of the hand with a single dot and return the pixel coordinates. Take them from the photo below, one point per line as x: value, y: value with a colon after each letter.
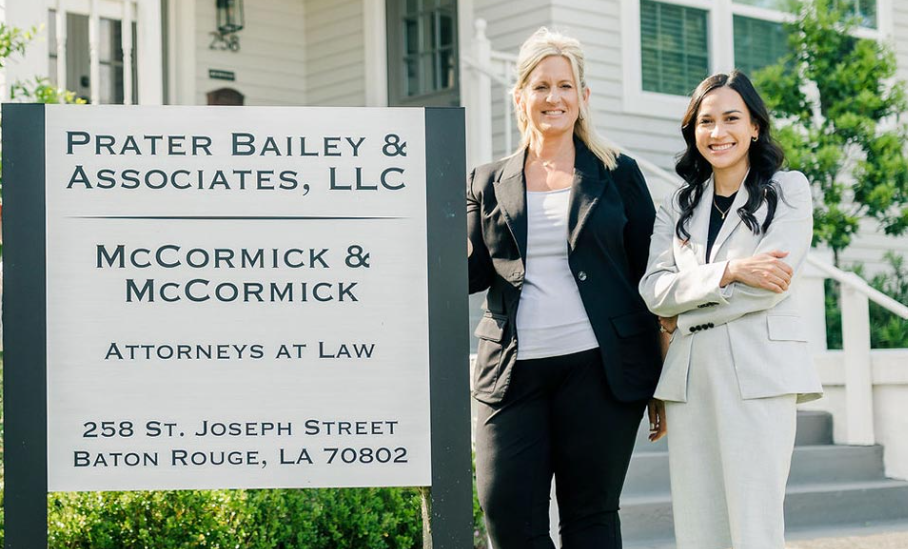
x: 668, y: 324
x: 766, y: 271
x: 657, y: 426
x: 469, y: 248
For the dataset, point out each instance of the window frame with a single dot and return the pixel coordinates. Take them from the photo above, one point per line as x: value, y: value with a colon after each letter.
x: 396, y: 67
x: 720, y: 47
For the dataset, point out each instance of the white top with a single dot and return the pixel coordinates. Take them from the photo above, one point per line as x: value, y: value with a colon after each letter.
x: 551, y: 320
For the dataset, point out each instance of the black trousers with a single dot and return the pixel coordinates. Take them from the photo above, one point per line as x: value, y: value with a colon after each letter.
x: 559, y: 418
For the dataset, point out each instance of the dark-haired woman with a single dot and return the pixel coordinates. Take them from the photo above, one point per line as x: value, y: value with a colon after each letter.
x: 724, y: 261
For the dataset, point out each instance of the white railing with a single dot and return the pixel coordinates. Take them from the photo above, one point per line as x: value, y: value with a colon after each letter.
x: 483, y: 66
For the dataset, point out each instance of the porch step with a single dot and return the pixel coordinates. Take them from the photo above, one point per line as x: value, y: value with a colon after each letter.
x: 649, y: 472
x: 829, y: 486
x: 814, y: 428
x: 648, y: 518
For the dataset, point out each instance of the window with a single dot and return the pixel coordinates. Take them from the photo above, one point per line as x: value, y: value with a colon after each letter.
x: 674, y: 47
x: 679, y: 42
x: 781, y: 5
x: 111, y: 60
x: 758, y: 43
x: 865, y: 10
x: 78, y: 58
x: 422, y: 52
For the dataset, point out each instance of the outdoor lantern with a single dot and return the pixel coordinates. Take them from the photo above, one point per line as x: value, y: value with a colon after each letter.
x: 230, y: 20
x: 230, y: 16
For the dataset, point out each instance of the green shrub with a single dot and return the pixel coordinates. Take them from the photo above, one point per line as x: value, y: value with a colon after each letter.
x: 368, y: 518
x: 887, y: 331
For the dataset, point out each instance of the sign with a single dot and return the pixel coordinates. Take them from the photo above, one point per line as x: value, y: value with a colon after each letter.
x: 217, y: 74
x: 250, y: 298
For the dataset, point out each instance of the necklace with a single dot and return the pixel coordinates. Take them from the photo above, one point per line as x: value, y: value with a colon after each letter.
x: 720, y: 210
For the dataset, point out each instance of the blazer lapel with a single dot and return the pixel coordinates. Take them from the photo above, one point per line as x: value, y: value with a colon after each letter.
x: 699, y: 223
x: 588, y: 185
x: 510, y: 191
x: 732, y: 220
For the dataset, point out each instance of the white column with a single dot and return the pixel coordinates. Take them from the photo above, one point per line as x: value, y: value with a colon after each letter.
x: 26, y: 14
x: 182, y: 39
x: 94, y: 51
x: 721, y: 37
x: 151, y: 58
x: 126, y: 45
x: 60, y: 24
x: 858, y: 378
x: 479, y: 109
x: 376, y: 53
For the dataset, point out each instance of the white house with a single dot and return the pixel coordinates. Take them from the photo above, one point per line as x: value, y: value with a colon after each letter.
x: 644, y: 57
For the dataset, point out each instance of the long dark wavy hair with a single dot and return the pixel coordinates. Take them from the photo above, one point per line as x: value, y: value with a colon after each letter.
x: 765, y: 155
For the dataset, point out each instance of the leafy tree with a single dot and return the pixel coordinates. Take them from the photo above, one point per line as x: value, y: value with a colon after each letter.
x: 838, y: 113
x: 37, y: 90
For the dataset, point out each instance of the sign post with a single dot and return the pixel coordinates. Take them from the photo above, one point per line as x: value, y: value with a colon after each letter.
x: 200, y: 298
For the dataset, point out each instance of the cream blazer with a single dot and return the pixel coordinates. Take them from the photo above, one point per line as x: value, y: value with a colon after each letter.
x: 765, y: 330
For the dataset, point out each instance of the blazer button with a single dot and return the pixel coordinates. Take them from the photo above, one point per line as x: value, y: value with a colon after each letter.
x: 581, y: 276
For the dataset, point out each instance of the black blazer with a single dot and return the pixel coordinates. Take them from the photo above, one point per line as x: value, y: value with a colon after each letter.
x: 610, y: 222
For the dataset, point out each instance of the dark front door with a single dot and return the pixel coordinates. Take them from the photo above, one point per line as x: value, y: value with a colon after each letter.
x: 422, y: 53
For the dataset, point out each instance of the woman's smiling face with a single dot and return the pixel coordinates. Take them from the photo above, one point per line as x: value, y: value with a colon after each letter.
x: 550, y: 99
x: 724, y: 129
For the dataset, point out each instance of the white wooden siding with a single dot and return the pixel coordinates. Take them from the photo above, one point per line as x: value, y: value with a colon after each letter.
x: 270, y: 66
x: 900, y: 35
x: 335, y: 53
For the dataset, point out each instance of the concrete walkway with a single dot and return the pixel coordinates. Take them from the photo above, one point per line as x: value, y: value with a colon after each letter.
x: 884, y: 535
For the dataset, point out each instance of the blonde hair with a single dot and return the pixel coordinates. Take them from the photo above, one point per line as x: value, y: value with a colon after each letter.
x: 542, y: 44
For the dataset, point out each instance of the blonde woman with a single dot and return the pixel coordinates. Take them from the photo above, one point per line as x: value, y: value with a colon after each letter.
x: 568, y: 354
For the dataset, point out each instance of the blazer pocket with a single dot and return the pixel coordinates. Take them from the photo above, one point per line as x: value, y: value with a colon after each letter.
x: 638, y: 348
x: 491, y: 327
x: 786, y: 328
x: 489, y: 354
x: 634, y: 323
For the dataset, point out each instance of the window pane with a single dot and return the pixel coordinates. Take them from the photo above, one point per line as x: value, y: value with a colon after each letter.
x: 446, y: 26
x: 412, y: 77
x: 865, y: 10
x: 674, y: 47
x: 412, y: 6
x: 52, y: 71
x: 428, y: 31
x: 428, y: 77
x: 758, y: 43
x: 411, y: 36
x: 52, y: 32
x: 106, y: 41
x: 446, y: 61
x: 107, y: 79
x: 781, y: 5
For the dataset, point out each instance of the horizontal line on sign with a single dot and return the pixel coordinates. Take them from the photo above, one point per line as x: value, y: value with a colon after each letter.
x: 237, y: 217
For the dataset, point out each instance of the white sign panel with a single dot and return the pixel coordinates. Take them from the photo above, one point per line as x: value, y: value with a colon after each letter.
x: 236, y: 297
